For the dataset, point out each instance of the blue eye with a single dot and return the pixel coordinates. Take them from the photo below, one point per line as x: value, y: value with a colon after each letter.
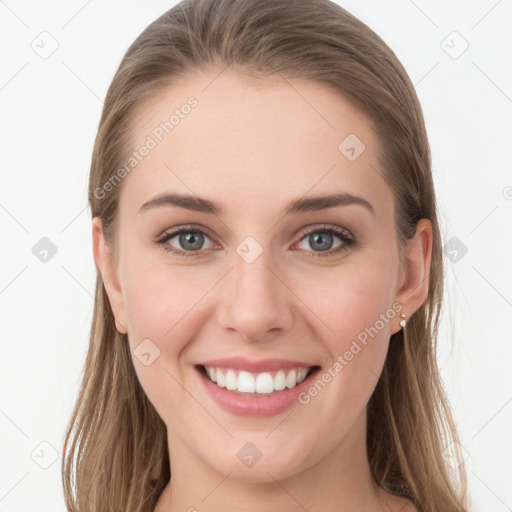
x: 194, y: 240
x: 321, y: 239
x: 190, y: 239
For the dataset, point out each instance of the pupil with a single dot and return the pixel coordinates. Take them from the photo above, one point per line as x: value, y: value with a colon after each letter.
x: 320, y: 237
x: 191, y: 238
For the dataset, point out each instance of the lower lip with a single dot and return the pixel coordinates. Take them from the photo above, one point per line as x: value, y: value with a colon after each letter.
x: 263, y: 405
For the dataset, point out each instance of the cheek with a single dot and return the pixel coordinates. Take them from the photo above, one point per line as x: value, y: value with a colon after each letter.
x: 349, y: 299
x: 351, y: 306
x: 352, y: 311
x: 162, y: 299
x: 162, y: 306
x: 155, y: 294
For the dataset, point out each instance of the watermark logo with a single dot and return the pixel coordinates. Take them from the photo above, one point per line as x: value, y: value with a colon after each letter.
x: 450, y: 455
x: 454, y: 45
x: 249, y: 249
x: 146, y: 352
x: 351, y: 147
x: 45, y: 45
x: 455, y: 249
x: 249, y: 455
x: 44, y: 250
x: 44, y: 455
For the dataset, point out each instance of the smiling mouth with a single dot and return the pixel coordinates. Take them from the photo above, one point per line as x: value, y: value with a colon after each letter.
x: 257, y: 384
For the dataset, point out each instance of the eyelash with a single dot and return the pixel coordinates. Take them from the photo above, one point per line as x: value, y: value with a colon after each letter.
x: 342, y: 234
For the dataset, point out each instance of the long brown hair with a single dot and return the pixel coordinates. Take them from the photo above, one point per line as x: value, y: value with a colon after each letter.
x: 115, y: 451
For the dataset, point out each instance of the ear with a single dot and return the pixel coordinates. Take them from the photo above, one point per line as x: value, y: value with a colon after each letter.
x: 413, y: 288
x: 105, y: 261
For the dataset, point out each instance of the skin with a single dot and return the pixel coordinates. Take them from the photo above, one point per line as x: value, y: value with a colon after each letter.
x: 254, y: 147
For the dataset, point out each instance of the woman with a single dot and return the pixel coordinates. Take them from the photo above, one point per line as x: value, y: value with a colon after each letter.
x: 269, y: 275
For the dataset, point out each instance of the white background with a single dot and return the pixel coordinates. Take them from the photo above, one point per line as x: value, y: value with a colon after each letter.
x: 49, y: 113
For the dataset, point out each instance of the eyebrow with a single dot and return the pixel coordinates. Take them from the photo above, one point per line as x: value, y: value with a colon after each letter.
x: 301, y: 205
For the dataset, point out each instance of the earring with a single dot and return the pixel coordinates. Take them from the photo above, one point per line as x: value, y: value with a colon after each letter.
x: 403, y: 323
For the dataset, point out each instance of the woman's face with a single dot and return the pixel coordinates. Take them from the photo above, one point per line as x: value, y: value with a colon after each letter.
x: 260, y: 278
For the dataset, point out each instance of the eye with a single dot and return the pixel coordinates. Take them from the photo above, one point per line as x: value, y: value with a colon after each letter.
x: 322, y: 240
x: 190, y: 241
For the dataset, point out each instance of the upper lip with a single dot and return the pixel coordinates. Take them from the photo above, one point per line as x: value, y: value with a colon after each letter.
x: 255, y: 365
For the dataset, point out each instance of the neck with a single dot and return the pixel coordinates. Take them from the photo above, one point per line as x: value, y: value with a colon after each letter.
x: 340, y: 481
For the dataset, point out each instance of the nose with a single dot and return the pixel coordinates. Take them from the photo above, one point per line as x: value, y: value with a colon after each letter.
x: 255, y: 299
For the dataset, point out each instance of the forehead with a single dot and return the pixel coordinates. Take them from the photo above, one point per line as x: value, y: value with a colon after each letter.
x: 252, y: 142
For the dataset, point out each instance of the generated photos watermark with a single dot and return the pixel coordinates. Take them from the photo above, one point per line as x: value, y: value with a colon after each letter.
x: 156, y: 136
x: 343, y: 360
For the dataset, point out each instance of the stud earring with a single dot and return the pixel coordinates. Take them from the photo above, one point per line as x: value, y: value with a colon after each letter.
x: 403, y: 323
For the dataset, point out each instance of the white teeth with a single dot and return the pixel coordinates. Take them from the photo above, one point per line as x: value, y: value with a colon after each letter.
x: 221, y: 380
x: 280, y: 380
x: 231, y: 380
x: 291, y: 379
x: 263, y: 383
x: 246, y: 383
